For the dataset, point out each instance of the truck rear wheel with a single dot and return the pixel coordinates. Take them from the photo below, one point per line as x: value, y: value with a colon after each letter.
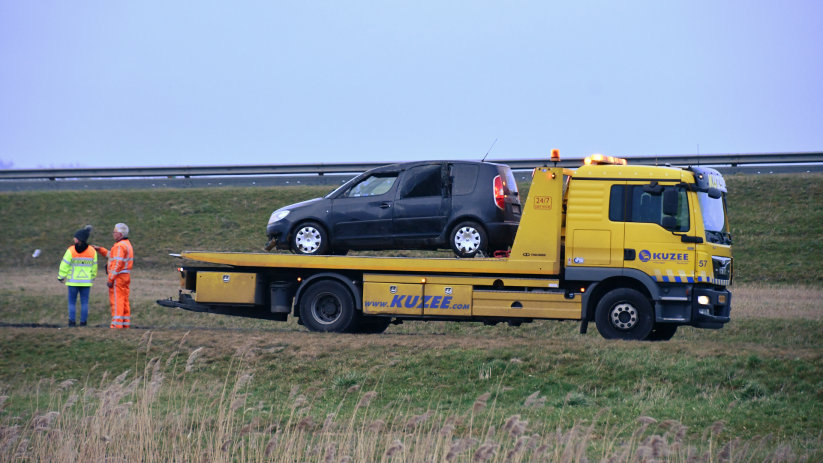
x: 624, y: 314
x: 328, y: 306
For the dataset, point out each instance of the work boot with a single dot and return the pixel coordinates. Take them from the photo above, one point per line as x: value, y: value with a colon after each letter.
x: 82, y: 323
x: 71, y: 323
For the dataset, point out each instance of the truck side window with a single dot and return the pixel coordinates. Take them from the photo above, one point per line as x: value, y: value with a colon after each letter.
x: 374, y: 185
x: 422, y: 181
x: 629, y: 203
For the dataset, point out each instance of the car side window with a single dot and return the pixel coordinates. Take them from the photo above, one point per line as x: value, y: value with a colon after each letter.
x: 373, y: 185
x: 464, y: 178
x: 422, y: 181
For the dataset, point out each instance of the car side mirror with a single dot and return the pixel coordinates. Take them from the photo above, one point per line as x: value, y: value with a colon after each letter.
x: 714, y: 193
x: 668, y: 222
x: 670, y: 201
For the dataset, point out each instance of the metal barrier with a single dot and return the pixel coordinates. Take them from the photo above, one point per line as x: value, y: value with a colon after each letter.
x: 730, y: 160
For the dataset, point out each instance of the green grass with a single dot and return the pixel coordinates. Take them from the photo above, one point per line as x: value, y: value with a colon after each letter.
x: 761, y: 375
x: 776, y: 221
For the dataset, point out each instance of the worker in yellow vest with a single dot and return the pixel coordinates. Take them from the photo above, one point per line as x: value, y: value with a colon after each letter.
x: 78, y: 269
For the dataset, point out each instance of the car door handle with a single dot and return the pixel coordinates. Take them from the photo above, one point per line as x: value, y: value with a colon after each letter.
x: 385, y: 205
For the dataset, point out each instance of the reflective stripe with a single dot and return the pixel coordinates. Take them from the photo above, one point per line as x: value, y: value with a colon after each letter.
x: 118, y: 273
x: 124, y: 259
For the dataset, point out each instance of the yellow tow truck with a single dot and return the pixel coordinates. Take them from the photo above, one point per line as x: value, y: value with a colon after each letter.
x: 639, y: 250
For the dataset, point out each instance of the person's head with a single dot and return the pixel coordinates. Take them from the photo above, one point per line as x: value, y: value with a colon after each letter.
x: 82, y: 235
x: 121, y: 231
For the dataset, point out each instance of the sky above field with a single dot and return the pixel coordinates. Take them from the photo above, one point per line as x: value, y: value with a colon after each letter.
x: 194, y: 83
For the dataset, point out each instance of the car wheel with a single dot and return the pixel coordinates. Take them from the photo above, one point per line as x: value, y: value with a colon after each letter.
x: 309, y: 238
x: 468, y: 239
x: 328, y: 306
x: 624, y: 314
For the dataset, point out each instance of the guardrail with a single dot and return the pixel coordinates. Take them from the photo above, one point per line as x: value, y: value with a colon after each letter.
x: 732, y: 160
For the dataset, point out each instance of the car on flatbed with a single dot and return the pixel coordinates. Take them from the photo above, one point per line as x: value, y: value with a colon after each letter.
x: 470, y: 207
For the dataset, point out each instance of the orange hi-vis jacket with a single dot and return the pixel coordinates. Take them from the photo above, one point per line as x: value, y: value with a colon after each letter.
x: 121, y: 258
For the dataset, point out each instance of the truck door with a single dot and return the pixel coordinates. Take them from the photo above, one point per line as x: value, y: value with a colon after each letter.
x: 656, y: 215
x: 422, y: 204
x: 362, y: 216
x: 594, y: 238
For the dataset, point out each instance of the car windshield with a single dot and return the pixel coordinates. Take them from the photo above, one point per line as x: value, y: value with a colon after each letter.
x: 714, y: 218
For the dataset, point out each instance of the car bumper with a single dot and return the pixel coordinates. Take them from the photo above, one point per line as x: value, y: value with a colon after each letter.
x: 278, y: 236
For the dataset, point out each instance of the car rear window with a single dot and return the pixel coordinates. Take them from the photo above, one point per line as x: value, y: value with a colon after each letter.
x: 464, y: 178
x: 511, y: 183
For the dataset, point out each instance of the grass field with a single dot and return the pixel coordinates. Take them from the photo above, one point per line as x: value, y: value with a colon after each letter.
x: 185, y: 386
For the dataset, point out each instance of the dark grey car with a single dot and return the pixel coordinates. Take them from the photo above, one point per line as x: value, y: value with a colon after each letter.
x: 471, y: 207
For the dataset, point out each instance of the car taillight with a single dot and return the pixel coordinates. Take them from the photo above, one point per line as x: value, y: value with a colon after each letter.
x: 499, y: 193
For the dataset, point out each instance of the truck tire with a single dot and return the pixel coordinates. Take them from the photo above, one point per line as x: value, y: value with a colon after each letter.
x: 468, y: 239
x: 309, y: 238
x: 372, y: 325
x: 662, y: 332
x: 328, y: 306
x: 624, y: 314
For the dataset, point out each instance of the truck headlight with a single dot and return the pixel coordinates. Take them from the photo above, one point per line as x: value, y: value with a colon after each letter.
x: 703, y: 300
x: 279, y: 214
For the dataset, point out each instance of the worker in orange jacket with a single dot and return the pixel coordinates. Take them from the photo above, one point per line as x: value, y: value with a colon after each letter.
x: 121, y: 258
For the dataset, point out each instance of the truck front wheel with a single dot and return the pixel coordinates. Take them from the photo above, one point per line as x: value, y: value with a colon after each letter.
x: 624, y: 314
x: 328, y: 306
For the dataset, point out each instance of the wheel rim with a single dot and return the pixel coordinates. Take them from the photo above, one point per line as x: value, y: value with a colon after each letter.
x: 326, y: 308
x: 467, y: 239
x: 308, y: 240
x: 623, y: 316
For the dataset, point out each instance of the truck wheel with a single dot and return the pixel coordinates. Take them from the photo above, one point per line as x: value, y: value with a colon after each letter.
x: 662, y: 332
x: 468, y: 239
x: 624, y: 314
x: 373, y: 325
x: 328, y: 306
x: 309, y: 238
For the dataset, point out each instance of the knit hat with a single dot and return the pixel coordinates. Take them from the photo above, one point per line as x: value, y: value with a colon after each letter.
x: 83, y: 234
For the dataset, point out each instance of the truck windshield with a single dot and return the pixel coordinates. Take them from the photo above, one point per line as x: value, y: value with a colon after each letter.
x: 714, y: 218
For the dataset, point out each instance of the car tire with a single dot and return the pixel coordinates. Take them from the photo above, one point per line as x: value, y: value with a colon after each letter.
x: 309, y: 238
x: 328, y: 306
x: 624, y: 314
x: 468, y: 239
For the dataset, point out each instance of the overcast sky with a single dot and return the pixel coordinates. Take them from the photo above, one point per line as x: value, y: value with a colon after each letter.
x: 185, y: 83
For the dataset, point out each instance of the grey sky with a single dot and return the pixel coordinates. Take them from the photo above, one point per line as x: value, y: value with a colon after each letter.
x: 151, y: 83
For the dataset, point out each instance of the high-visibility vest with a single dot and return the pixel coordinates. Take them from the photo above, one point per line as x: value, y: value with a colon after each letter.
x: 78, y: 268
x: 121, y: 258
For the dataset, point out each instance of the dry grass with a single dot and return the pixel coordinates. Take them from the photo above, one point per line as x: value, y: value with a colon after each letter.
x: 753, y: 300
x: 125, y: 419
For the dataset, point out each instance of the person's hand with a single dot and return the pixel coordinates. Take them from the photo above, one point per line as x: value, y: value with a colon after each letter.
x: 110, y: 284
x: 60, y: 279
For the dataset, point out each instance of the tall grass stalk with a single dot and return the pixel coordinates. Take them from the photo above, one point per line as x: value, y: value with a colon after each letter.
x: 165, y: 411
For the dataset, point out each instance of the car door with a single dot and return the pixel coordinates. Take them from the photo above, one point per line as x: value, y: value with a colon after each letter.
x: 422, y: 205
x: 361, y: 217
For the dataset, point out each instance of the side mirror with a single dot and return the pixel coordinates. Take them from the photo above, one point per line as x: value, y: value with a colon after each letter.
x: 714, y: 193
x: 670, y: 202
x: 668, y: 222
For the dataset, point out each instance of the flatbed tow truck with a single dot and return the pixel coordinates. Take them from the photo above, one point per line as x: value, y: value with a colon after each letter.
x: 639, y: 250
